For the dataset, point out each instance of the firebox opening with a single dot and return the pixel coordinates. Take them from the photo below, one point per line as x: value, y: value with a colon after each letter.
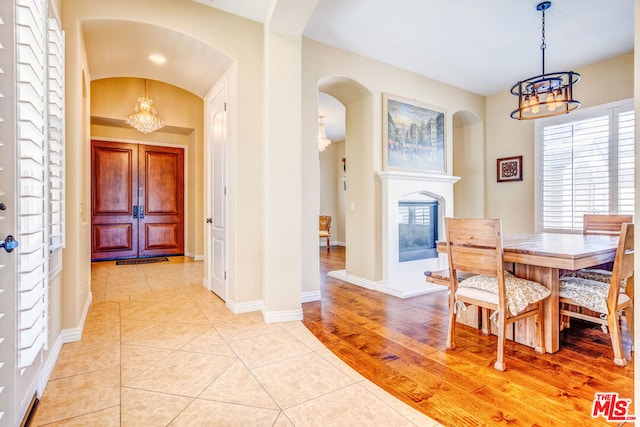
x: 418, y: 230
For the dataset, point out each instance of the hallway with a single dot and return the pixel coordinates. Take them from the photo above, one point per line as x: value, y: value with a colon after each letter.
x: 158, y: 349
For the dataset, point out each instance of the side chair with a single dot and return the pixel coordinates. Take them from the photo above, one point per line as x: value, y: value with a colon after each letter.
x: 603, y: 225
x: 325, y: 229
x: 475, y: 246
x: 605, y: 301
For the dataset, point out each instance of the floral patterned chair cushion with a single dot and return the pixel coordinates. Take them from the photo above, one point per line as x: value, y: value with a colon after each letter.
x: 520, y: 292
x: 591, y: 294
x: 598, y: 275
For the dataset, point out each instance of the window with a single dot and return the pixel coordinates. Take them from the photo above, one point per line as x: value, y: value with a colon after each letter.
x: 585, y: 164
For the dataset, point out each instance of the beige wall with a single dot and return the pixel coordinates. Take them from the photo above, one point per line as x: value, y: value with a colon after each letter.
x: 468, y: 164
x: 183, y: 115
x: 363, y: 143
x: 603, y: 82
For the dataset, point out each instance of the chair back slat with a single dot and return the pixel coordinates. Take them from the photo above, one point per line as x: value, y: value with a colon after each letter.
x: 475, y: 245
x: 473, y: 259
x: 604, y: 224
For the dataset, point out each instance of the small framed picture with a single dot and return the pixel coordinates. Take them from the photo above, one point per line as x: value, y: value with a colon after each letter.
x: 509, y: 169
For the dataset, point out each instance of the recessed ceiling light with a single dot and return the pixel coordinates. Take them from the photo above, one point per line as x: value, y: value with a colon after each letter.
x: 157, y: 58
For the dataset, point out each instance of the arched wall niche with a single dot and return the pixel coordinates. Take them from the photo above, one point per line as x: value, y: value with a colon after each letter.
x: 469, y: 165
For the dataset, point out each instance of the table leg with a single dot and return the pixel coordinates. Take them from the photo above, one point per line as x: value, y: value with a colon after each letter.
x: 549, y: 277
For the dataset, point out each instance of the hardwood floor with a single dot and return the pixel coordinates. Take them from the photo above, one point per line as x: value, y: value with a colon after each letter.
x: 399, y: 344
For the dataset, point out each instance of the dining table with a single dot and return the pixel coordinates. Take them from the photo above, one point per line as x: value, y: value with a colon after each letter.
x: 544, y: 257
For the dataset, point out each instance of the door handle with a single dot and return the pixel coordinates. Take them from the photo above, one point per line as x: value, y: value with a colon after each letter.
x: 135, y: 211
x: 9, y: 243
x: 141, y: 211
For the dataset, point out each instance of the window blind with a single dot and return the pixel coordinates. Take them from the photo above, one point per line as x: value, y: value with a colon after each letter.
x: 587, y: 166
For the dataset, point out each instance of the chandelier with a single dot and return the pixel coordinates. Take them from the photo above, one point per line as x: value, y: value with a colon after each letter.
x: 547, y: 94
x: 145, y: 117
x: 323, y: 141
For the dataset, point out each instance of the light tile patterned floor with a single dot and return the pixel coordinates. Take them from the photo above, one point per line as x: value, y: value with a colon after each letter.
x: 158, y: 349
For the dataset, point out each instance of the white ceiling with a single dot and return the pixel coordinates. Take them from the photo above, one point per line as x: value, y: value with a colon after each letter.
x: 482, y: 46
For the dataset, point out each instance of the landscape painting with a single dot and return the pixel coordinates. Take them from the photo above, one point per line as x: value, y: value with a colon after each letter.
x: 413, y: 136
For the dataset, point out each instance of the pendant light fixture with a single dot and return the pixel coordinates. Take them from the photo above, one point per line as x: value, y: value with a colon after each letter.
x: 547, y: 94
x: 323, y: 141
x: 144, y: 117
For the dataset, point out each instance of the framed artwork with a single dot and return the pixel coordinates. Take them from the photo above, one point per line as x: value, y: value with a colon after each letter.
x: 509, y: 169
x: 412, y: 135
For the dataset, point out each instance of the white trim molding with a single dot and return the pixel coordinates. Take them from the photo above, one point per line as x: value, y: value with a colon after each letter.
x: 311, y: 296
x: 75, y: 334
x: 383, y: 287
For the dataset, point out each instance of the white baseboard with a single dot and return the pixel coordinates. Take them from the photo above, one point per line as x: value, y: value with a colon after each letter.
x: 323, y: 244
x: 198, y: 257
x: 397, y: 290
x: 65, y: 336
x: 282, y: 315
x: 269, y: 316
x: 244, y: 307
x: 311, y: 296
x: 75, y: 334
x: 49, y: 364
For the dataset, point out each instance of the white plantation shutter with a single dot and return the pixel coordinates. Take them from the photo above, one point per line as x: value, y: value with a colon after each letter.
x: 31, y: 123
x: 6, y: 297
x: 56, y: 139
x: 626, y: 162
x: 585, y: 165
x: 28, y: 92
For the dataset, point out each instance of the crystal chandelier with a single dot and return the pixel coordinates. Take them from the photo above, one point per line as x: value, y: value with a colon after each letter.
x: 145, y: 117
x: 323, y: 141
x: 547, y: 94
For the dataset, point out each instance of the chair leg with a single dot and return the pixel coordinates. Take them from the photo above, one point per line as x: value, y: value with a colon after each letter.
x: 565, y: 321
x: 616, y: 340
x: 502, y: 329
x: 539, y: 319
x: 451, y: 329
x: 328, y: 245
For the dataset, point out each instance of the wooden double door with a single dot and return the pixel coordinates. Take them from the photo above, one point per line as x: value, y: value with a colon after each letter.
x: 137, y: 200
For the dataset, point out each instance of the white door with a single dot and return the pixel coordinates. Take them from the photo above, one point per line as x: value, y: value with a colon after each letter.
x: 218, y: 213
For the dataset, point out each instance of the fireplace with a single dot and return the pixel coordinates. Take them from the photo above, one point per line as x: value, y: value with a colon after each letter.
x: 414, y: 206
x: 417, y: 229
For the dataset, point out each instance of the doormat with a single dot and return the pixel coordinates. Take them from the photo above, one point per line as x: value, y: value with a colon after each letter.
x: 141, y: 261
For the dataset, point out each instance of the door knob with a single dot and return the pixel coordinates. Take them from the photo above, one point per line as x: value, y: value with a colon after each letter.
x: 9, y: 243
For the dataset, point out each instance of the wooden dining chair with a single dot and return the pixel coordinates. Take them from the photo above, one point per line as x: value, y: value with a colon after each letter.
x: 325, y: 229
x: 604, y: 224
x: 605, y: 301
x: 475, y: 246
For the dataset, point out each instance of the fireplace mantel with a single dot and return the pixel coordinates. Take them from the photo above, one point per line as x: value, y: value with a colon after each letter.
x: 418, y: 176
